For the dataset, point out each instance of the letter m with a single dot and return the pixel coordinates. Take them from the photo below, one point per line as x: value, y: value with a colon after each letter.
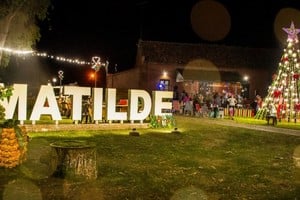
x: 19, y: 94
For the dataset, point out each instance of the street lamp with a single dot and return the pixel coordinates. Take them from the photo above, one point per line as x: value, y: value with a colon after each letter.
x: 96, y: 64
x: 246, y: 78
x: 54, y: 80
x: 60, y: 76
x: 245, y: 85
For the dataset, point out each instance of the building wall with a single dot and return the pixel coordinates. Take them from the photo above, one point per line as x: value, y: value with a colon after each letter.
x: 124, y: 80
x: 155, y: 58
x: 259, y: 80
x: 156, y: 72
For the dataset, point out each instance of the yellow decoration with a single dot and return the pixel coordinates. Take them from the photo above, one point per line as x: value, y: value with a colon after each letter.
x: 11, y: 153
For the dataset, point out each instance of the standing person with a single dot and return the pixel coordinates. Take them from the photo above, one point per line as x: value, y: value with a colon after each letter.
x: 231, y: 102
x: 259, y: 102
x: 188, y: 106
x: 254, y: 107
x: 216, y: 104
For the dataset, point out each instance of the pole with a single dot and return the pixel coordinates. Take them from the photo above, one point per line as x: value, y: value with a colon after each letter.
x: 95, y: 77
x: 60, y: 76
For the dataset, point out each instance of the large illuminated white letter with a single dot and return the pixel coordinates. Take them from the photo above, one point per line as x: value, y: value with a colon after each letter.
x: 77, y: 93
x: 134, y: 112
x: 19, y: 94
x: 46, y: 94
x: 97, y: 102
x: 160, y: 103
x: 110, y: 99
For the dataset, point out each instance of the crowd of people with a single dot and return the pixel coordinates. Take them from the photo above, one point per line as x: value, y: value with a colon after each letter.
x: 212, y: 105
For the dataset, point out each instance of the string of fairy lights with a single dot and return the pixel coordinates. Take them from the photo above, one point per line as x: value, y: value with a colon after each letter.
x: 45, y: 55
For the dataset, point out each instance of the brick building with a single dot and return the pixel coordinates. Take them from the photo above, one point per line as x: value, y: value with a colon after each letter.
x: 198, y: 67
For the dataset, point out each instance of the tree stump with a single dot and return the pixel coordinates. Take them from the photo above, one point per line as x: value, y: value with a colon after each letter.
x: 74, y: 159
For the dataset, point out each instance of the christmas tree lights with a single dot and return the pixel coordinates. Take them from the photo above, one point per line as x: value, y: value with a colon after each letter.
x: 283, y: 93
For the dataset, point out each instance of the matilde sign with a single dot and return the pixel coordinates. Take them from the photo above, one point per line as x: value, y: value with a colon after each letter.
x: 160, y: 101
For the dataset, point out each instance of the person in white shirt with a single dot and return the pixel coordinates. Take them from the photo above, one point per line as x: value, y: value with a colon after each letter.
x: 232, y: 103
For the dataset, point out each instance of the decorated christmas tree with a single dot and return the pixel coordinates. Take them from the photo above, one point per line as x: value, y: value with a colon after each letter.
x: 282, y: 99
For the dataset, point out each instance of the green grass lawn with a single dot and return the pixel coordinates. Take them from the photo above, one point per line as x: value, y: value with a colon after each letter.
x: 203, y: 161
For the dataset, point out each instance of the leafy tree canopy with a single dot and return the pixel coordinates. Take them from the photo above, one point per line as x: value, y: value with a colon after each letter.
x: 18, y: 24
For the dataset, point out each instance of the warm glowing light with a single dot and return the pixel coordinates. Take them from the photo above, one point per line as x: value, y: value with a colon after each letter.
x: 246, y: 78
x: 165, y: 74
x: 46, y: 55
x: 13, y: 51
x: 92, y: 75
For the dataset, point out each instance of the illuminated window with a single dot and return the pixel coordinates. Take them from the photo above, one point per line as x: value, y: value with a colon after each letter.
x: 163, y: 84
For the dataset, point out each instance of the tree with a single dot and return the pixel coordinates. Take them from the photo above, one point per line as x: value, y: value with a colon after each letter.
x: 283, y: 94
x: 18, y: 24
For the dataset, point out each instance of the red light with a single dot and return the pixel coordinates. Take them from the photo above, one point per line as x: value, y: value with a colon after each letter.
x: 92, y: 75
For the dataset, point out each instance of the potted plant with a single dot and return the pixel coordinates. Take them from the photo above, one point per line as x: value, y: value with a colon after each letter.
x: 13, y: 138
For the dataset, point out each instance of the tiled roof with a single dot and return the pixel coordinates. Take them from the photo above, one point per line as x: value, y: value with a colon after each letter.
x: 220, y: 55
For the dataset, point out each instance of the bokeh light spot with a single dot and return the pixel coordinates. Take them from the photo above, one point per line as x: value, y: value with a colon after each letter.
x: 202, y: 65
x: 283, y: 20
x: 21, y: 189
x: 210, y: 20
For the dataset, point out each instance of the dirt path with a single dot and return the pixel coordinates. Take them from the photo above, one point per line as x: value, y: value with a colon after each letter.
x: 270, y: 128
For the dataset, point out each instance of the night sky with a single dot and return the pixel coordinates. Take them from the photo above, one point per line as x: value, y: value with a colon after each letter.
x: 111, y: 29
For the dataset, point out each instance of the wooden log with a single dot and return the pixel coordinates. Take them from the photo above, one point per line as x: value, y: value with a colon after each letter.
x: 74, y: 159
